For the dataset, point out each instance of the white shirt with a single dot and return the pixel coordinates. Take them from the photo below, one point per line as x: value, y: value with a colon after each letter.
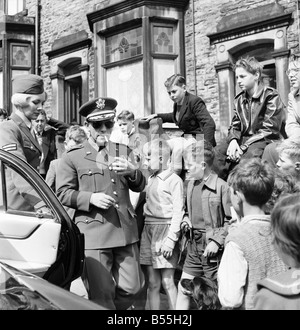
x: 232, y: 273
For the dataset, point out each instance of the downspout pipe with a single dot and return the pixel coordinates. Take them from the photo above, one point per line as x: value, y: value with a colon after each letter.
x: 194, y: 48
x: 37, y: 22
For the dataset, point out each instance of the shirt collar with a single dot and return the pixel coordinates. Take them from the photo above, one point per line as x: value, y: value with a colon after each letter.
x: 256, y: 217
x: 162, y: 175
x: 93, y: 144
x: 24, y: 118
x: 257, y: 94
x: 211, y: 181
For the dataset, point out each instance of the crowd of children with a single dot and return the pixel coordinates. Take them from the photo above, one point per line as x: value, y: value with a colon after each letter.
x: 234, y: 212
x: 232, y: 207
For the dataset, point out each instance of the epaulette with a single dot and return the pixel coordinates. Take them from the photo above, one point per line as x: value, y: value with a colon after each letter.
x: 79, y: 146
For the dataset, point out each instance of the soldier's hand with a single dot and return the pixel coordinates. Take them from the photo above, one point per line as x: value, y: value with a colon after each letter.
x: 102, y: 201
x: 123, y: 166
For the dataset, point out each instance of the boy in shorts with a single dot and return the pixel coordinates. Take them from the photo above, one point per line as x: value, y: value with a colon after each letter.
x: 164, y: 211
x: 208, y: 209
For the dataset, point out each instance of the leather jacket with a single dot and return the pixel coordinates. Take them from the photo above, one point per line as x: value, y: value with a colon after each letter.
x: 259, y: 118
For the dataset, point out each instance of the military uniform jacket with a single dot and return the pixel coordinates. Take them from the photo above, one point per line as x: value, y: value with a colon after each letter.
x: 83, y: 171
x: 194, y: 118
x: 16, y: 138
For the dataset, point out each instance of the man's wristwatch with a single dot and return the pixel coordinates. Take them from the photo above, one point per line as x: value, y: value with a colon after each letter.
x: 244, y: 148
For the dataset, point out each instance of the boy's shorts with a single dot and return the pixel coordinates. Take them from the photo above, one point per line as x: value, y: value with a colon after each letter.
x: 197, y: 265
x: 152, y: 239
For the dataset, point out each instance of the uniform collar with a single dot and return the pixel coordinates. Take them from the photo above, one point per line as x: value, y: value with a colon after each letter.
x: 24, y: 118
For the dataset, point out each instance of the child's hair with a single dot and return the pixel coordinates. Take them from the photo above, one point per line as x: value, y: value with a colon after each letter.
x: 203, y: 291
x: 158, y: 148
x: 285, y: 223
x: 284, y: 184
x: 255, y: 179
x: 290, y: 147
x: 176, y: 79
x: 126, y: 115
x: 250, y: 64
x: 76, y: 133
x: 198, y: 151
x: 3, y: 113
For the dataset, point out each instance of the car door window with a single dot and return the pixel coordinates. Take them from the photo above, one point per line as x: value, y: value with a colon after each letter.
x: 20, y: 196
x: 29, y: 239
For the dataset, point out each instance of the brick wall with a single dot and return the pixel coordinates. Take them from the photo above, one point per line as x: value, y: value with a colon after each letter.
x: 63, y: 17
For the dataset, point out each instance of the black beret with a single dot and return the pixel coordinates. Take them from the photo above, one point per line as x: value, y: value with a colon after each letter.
x: 99, y: 109
x: 27, y: 84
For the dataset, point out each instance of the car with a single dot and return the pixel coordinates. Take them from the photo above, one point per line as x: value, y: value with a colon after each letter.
x: 20, y: 290
x: 44, y: 244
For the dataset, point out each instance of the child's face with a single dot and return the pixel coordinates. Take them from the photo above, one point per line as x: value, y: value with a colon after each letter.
x: 196, y: 171
x: 235, y: 201
x: 286, y: 164
x: 125, y: 126
x: 246, y: 80
x: 151, y: 162
x: 177, y: 93
x: 294, y: 76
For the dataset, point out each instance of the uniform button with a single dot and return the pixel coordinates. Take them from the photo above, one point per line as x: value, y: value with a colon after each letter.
x: 90, y: 173
x: 110, y: 168
x: 115, y: 193
x: 86, y: 221
x: 117, y: 206
x: 113, y: 180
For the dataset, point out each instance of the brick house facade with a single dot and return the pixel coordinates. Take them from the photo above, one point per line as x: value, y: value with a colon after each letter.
x: 126, y: 49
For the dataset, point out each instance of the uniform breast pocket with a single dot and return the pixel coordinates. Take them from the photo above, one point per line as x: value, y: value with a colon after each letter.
x: 30, y: 150
x: 91, y: 179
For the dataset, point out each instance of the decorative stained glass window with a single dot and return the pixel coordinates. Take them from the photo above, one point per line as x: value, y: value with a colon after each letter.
x: 163, y: 40
x: 21, y: 55
x: 124, y: 46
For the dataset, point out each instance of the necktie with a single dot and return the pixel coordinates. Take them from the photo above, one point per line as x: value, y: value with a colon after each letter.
x: 33, y: 133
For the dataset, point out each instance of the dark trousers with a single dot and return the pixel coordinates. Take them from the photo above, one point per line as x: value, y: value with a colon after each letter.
x: 222, y: 166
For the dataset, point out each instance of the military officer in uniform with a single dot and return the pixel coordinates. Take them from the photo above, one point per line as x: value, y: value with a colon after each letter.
x: 93, y: 181
x: 17, y: 137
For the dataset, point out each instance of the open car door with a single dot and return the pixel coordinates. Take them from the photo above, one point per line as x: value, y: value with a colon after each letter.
x: 44, y: 242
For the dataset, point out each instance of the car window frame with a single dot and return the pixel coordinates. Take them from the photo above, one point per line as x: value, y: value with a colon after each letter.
x: 49, y: 197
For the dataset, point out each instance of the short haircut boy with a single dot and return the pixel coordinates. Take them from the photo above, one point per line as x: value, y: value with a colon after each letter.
x: 255, y: 179
x: 198, y: 152
x: 126, y: 115
x: 290, y: 147
x: 250, y: 64
x: 76, y: 133
x: 160, y: 152
x: 176, y: 79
